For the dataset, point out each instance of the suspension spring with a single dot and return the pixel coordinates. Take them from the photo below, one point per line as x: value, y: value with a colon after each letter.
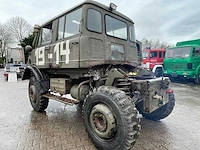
x: 124, y: 85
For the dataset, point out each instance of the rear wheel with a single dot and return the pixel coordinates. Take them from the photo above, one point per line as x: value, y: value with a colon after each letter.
x: 38, y: 102
x: 110, y: 119
x: 160, y: 113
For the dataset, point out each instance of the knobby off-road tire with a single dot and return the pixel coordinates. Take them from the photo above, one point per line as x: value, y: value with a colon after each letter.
x: 110, y: 119
x: 197, y: 79
x: 38, y: 102
x: 160, y: 113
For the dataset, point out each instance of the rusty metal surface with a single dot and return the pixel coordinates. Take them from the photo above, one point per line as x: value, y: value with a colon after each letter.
x: 61, y: 127
x: 61, y: 99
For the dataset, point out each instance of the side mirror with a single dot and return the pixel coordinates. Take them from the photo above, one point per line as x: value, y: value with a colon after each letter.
x: 28, y: 48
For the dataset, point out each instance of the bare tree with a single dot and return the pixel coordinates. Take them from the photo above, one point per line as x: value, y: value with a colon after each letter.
x: 5, y: 39
x: 156, y: 44
x: 145, y: 43
x: 19, y: 28
x: 151, y: 44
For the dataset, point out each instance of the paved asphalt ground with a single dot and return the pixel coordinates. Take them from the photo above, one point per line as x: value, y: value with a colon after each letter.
x: 61, y: 127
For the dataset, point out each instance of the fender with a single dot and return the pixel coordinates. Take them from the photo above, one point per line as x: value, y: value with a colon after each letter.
x: 197, y: 70
x: 31, y: 69
x: 157, y: 66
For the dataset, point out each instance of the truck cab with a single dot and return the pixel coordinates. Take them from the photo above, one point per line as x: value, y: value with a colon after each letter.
x: 152, y: 59
x: 183, y: 61
x: 91, y: 53
x: 71, y: 39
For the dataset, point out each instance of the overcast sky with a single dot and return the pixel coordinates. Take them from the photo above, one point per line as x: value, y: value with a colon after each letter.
x: 167, y: 20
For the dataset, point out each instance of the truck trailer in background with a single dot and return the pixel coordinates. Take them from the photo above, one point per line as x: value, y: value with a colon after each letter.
x: 15, y: 55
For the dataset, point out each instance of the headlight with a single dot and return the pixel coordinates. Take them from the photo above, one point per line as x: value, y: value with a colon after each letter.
x: 185, y: 73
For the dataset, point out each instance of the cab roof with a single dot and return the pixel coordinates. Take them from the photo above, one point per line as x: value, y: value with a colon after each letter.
x: 93, y: 3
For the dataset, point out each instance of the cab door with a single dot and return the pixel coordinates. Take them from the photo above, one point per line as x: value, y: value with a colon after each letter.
x: 65, y: 49
x: 92, y: 47
x: 41, y: 52
x: 160, y: 57
x: 116, y: 37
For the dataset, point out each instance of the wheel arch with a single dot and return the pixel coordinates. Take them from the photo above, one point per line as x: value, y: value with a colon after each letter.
x: 157, y: 66
x: 197, y: 70
x: 32, y: 70
x: 39, y: 76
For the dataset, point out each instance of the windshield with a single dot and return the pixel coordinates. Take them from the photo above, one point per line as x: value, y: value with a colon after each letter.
x: 182, y: 52
x: 144, y: 55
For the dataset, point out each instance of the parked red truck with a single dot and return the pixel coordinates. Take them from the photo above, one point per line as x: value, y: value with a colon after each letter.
x: 152, y: 59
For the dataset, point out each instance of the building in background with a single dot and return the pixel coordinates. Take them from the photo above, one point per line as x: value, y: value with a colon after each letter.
x: 15, y: 55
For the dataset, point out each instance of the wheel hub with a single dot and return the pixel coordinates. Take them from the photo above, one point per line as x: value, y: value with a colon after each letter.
x: 32, y: 93
x: 100, y: 122
x: 103, y: 121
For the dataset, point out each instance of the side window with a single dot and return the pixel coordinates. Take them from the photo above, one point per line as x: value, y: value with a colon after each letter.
x: 61, y: 23
x: 45, y: 34
x: 153, y: 54
x: 132, y: 33
x: 197, y: 50
x: 72, y: 23
x: 160, y: 54
x: 94, y: 20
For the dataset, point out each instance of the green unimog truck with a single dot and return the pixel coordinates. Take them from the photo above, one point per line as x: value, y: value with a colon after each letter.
x: 91, y: 53
x: 183, y: 61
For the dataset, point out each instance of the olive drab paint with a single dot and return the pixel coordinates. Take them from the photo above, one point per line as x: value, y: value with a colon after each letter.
x: 91, y: 53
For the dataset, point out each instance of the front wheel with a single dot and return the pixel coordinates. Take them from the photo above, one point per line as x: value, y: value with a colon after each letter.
x: 110, y: 119
x: 161, y: 112
x: 197, y: 79
x: 38, y: 102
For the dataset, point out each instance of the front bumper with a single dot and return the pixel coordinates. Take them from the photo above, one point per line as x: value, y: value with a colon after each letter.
x: 153, y: 92
x: 185, y: 74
